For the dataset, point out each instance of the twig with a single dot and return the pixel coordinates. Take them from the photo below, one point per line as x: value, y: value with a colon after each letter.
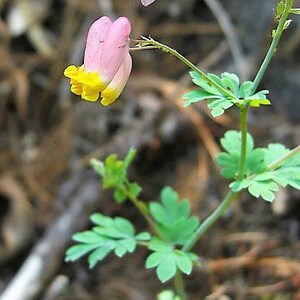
x: 57, y: 288
x: 17, y: 224
x: 47, y: 255
x: 270, y: 289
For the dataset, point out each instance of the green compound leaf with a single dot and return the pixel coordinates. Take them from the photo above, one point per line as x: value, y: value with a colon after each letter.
x: 293, y: 161
x: 288, y: 176
x: 160, y: 246
x: 168, y: 260
x: 289, y: 172
x: 218, y: 98
x: 143, y: 236
x: 231, y: 82
x: 120, y: 193
x: 274, y: 152
x: 77, y: 251
x: 198, y: 95
x: 166, y: 269
x: 218, y: 106
x: 114, y: 174
x: 229, y: 163
x: 109, y: 235
x: 265, y: 183
x: 229, y: 160
x: 184, y: 263
x: 245, y: 89
x: 98, y: 166
x: 257, y: 188
x: 133, y: 189
x: 254, y: 100
x: 217, y: 102
x: 129, y: 158
x: 167, y: 295
x: 258, y: 99
x: 206, y: 86
x: 114, y: 228
x: 172, y: 217
x: 264, y: 189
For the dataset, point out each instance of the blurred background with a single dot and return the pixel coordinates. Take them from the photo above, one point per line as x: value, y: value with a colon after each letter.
x: 48, y: 136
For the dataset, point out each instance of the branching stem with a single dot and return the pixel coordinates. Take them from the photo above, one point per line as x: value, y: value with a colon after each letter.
x: 216, y: 214
x: 225, y: 204
x: 140, y: 207
x: 145, y: 42
x: 273, y: 46
x: 277, y: 163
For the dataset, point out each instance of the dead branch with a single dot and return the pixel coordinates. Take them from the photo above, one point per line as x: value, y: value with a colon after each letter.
x: 84, y: 192
x: 47, y: 255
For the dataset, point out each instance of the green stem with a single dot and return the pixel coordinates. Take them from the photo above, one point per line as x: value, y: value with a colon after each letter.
x: 277, y: 163
x: 221, y: 209
x: 144, y: 244
x: 244, y: 130
x: 141, y: 208
x: 178, y: 279
x: 273, y: 46
x: 179, y: 285
x: 219, y: 212
x: 165, y: 48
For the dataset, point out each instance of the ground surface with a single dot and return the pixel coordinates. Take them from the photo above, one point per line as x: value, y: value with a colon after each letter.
x: 47, y: 136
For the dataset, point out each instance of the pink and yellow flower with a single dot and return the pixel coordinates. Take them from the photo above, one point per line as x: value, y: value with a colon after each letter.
x: 107, y: 62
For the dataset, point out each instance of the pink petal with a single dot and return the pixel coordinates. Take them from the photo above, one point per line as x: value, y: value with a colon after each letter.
x: 97, y: 35
x: 147, y: 2
x: 116, y: 86
x: 115, y: 48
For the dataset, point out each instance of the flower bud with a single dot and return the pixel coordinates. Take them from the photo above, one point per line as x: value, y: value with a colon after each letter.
x: 107, y: 62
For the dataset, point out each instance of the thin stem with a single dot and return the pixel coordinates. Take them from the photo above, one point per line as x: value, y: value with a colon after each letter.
x: 178, y: 279
x: 179, y: 285
x: 221, y: 209
x: 244, y: 130
x: 273, y: 46
x: 142, y: 48
x: 144, y: 244
x: 277, y: 163
x: 165, y: 48
x: 140, y: 206
x: 227, y: 202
